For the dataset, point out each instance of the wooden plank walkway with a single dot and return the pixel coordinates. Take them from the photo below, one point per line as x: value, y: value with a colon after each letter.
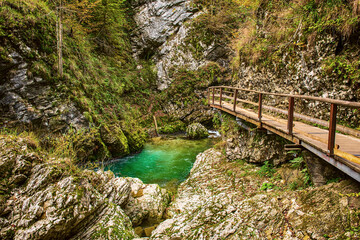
x: 346, y: 154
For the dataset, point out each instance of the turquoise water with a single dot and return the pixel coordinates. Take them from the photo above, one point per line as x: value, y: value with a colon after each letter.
x: 162, y: 161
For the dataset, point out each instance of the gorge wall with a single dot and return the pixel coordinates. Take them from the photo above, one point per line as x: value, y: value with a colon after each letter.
x: 157, y: 58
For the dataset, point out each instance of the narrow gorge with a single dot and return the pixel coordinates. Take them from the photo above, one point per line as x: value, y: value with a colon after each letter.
x: 87, y: 86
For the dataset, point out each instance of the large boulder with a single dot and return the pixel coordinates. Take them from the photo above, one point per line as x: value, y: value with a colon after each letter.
x: 196, y: 131
x: 146, y: 202
x: 115, y: 140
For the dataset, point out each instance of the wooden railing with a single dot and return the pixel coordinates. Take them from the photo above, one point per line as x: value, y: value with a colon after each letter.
x: 231, y: 94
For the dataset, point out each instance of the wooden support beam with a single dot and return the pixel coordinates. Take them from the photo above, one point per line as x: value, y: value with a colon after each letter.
x: 208, y: 93
x: 293, y: 147
x: 156, y: 126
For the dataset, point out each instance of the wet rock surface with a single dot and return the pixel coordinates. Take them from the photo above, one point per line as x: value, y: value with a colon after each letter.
x: 213, y: 204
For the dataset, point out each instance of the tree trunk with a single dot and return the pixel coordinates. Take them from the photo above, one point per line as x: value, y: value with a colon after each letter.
x: 59, y: 35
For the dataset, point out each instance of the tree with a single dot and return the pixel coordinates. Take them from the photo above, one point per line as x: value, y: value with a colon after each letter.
x: 59, y: 37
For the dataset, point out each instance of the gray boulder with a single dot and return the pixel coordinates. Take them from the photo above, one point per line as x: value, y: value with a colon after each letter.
x: 196, y: 131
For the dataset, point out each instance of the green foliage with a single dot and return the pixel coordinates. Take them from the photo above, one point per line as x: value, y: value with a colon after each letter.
x: 78, y: 145
x: 266, y: 170
x: 333, y: 180
x: 100, y: 75
x: 229, y: 173
x: 216, y: 121
x: 297, y: 162
x: 331, y: 15
x: 215, y: 25
x: 293, y: 26
x: 172, y: 126
x: 344, y: 68
x: 267, y: 186
x: 182, y: 92
x: 294, y: 186
x: 307, y: 178
x: 228, y: 126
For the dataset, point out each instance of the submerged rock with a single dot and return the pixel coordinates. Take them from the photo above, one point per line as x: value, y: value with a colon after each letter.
x: 196, y: 131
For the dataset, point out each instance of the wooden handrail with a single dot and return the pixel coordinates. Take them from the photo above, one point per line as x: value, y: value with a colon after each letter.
x: 317, y: 121
x: 291, y: 113
x: 320, y: 99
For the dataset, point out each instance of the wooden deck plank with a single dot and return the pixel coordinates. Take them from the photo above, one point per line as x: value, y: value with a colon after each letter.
x: 314, y: 136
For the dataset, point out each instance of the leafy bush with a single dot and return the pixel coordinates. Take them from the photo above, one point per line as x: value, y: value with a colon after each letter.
x: 266, y: 186
x: 267, y: 170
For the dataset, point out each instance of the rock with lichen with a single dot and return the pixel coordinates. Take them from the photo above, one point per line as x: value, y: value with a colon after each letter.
x: 146, y: 202
x: 223, y: 200
x: 196, y: 131
x: 54, y: 199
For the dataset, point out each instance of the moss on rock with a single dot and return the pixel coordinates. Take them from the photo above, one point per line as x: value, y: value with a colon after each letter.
x: 115, y: 140
x: 196, y: 131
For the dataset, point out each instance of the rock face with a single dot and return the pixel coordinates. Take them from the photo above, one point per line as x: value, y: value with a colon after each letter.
x: 26, y: 99
x: 47, y: 200
x: 302, y: 73
x: 163, y: 28
x: 196, y: 131
x: 255, y: 147
x: 214, y: 203
x: 156, y: 21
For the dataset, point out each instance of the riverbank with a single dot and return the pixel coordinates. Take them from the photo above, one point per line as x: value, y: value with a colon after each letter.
x: 238, y: 200
x: 44, y: 198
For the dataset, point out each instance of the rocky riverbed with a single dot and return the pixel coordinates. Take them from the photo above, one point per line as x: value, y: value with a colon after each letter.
x: 45, y: 198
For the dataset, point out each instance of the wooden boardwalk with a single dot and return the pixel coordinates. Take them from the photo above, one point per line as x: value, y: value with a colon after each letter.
x: 340, y: 150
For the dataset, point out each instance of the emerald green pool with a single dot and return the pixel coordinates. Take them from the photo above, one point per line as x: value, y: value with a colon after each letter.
x: 162, y: 161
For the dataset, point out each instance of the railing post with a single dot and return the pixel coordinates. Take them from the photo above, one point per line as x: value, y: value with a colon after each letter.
x: 221, y: 96
x: 235, y: 99
x: 291, y: 116
x: 332, y: 129
x: 260, y: 107
x: 208, y: 93
x: 213, y: 96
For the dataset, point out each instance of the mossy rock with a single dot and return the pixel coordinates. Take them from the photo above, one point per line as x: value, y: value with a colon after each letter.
x: 115, y: 140
x: 196, y: 131
x: 136, y: 140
